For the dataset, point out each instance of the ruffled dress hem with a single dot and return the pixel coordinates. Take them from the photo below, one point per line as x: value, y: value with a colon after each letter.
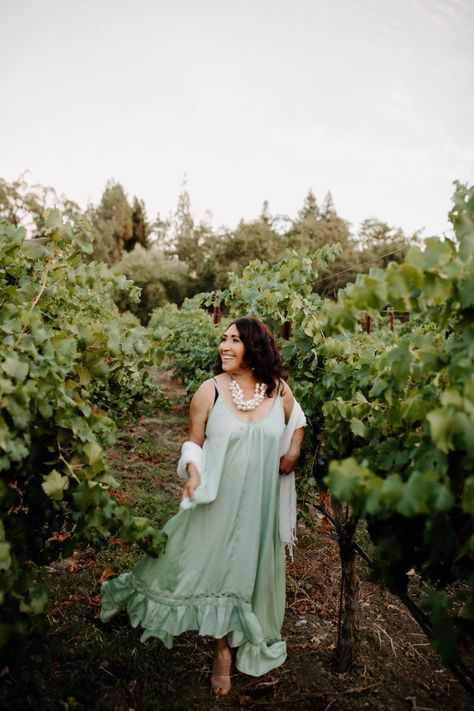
x: 211, y: 616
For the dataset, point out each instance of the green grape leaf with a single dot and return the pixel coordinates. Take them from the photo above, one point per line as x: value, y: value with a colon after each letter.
x: 358, y: 427
x: 392, y: 490
x: 93, y: 452
x: 53, y: 219
x: 54, y: 485
x: 444, y: 500
x: 466, y: 288
x: 415, y: 494
x: 440, y: 426
x: 15, y: 368
x: 84, y: 375
x: 437, y: 253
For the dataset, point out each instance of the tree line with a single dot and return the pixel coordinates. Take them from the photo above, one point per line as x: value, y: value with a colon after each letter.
x: 177, y: 257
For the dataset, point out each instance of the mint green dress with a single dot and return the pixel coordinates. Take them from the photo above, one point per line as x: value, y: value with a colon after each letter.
x: 223, y: 570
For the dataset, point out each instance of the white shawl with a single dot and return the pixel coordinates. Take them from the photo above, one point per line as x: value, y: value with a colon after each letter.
x: 287, y: 482
x: 206, y: 492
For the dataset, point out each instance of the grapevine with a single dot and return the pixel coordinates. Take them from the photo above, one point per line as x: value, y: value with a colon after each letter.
x: 70, y: 367
x: 188, y: 338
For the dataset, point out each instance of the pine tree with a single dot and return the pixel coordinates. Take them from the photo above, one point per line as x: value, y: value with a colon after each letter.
x: 305, y: 230
x: 112, y: 222
x: 190, y: 240
x: 140, y: 226
x: 315, y: 228
x: 265, y: 216
x: 332, y: 227
x: 328, y: 210
x: 310, y: 209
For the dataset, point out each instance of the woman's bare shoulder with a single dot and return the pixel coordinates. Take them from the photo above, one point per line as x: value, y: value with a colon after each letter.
x: 204, y: 395
x: 285, y: 390
x: 221, y: 378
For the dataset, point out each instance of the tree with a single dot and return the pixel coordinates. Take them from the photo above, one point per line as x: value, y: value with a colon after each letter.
x: 310, y: 207
x: 265, y: 216
x: 140, y: 226
x: 333, y: 229
x: 235, y: 249
x: 112, y: 224
x: 182, y: 239
x: 161, y: 279
x: 160, y: 234
x: 304, y: 231
x: 23, y: 205
x: 377, y: 240
x: 315, y: 228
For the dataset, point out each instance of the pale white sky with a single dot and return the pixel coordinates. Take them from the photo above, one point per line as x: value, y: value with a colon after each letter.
x: 253, y: 99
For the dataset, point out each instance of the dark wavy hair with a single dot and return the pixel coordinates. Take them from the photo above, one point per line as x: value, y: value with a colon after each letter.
x: 260, y: 352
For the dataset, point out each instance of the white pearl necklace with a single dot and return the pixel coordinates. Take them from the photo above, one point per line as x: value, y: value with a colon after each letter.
x: 238, y: 396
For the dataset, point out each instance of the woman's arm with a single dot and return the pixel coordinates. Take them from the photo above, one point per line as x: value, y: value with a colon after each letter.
x: 199, y: 409
x: 289, y: 459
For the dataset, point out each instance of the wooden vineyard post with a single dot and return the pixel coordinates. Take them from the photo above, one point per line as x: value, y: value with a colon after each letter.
x: 348, y: 622
x: 367, y: 321
x: 216, y: 315
x: 285, y: 331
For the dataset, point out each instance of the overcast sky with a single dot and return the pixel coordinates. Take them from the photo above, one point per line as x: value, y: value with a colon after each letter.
x: 252, y: 99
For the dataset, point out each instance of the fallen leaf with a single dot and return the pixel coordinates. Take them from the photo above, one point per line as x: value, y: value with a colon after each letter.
x: 106, y: 574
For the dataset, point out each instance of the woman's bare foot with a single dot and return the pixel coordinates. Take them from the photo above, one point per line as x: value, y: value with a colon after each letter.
x: 220, y: 677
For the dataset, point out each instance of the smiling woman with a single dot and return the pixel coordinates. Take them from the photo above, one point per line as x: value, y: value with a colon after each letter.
x: 247, y: 349
x: 223, y: 571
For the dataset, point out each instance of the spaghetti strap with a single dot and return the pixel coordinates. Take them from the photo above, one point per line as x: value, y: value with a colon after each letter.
x: 282, y: 391
x: 217, y: 390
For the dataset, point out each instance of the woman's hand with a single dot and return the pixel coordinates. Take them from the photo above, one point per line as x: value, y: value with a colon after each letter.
x: 288, y: 462
x: 192, y: 483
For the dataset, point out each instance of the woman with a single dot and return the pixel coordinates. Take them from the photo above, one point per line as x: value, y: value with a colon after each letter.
x: 223, y: 571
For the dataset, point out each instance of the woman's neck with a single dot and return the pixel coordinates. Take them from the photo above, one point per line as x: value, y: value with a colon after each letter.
x: 245, y: 378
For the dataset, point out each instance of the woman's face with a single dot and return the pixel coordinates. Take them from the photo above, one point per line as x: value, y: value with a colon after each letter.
x: 231, y: 350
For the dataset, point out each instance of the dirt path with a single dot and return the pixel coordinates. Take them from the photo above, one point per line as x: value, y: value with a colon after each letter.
x: 84, y: 664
